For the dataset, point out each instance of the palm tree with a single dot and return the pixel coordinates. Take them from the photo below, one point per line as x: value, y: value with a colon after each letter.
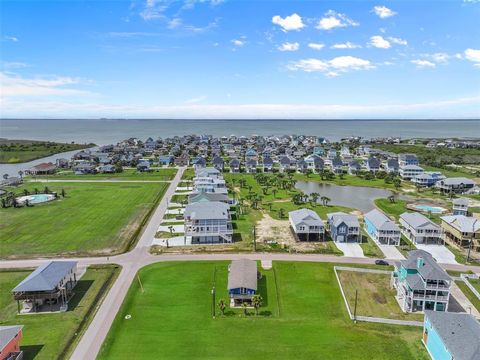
x: 172, y: 230
x: 222, y: 306
x: 35, y: 190
x: 20, y: 173
x: 257, y: 301
x: 46, y: 190
x: 314, y: 197
x: 274, y: 192
x: 25, y: 192
x: 245, y: 307
x: 4, y: 203
x: 5, y: 176
x: 391, y: 198
x: 63, y: 193
x: 325, y: 200
x: 281, y: 213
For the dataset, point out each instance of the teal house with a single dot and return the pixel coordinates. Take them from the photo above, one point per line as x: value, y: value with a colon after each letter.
x: 450, y: 336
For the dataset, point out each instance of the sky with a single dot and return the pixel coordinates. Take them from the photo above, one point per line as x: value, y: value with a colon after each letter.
x: 240, y: 59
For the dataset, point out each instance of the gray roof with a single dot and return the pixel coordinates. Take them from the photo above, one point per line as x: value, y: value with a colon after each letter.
x: 267, y: 160
x: 7, y: 333
x: 455, y: 181
x: 430, y: 270
x: 381, y: 221
x: 407, y: 156
x: 462, y: 223
x: 417, y: 220
x: 412, y: 167
x: 337, y: 162
x: 218, y: 160
x: 207, y: 210
x: 373, y: 162
x: 392, y: 163
x: 196, y: 197
x: 242, y: 274
x: 459, y: 332
x: 46, y: 277
x: 337, y: 218
x: 306, y: 216
x: 460, y: 201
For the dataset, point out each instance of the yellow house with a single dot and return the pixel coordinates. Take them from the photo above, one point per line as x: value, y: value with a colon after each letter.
x: 460, y: 230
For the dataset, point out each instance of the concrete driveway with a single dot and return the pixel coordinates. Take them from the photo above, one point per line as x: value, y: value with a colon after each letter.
x: 391, y: 252
x: 350, y: 249
x: 439, y: 253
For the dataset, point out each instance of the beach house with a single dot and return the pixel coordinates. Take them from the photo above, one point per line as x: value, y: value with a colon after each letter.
x: 344, y: 227
x: 457, y: 185
x: 208, y: 222
x: 419, y: 229
x: 306, y: 225
x: 460, y: 206
x: 381, y: 229
x: 10, y: 337
x: 242, y: 281
x: 461, y: 231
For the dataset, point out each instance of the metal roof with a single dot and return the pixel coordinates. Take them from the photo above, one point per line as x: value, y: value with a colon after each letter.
x: 242, y: 274
x: 430, y: 269
x: 340, y: 217
x: 7, y: 333
x: 207, y: 210
x: 462, y: 223
x: 306, y: 216
x: 417, y: 220
x: 46, y: 277
x: 381, y: 221
x: 459, y: 332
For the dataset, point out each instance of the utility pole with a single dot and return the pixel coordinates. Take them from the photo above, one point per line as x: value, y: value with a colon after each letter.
x: 213, y: 302
x: 355, y: 308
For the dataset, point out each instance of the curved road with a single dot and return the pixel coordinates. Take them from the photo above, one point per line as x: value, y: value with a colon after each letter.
x: 92, y: 340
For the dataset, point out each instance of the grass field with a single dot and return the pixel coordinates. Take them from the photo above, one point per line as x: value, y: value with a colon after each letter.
x: 172, y: 320
x: 18, y: 151
x: 375, y: 297
x: 126, y: 174
x: 52, y: 336
x: 92, y: 218
x: 469, y: 294
x: 348, y: 179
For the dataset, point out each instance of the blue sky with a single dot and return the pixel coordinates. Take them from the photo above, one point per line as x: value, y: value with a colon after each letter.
x: 240, y: 59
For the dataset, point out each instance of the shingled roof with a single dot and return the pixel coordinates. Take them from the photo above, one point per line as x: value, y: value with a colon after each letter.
x: 242, y: 274
x: 46, y: 277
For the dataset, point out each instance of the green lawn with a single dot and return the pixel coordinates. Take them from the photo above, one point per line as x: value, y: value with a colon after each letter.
x: 18, y: 151
x: 393, y: 209
x: 469, y: 294
x: 52, y: 336
x: 375, y: 296
x: 172, y: 319
x: 348, y: 179
x: 370, y: 249
x: 92, y: 218
x: 475, y: 283
x: 126, y: 174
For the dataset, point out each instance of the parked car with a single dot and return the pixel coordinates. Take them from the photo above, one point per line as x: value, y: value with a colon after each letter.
x: 381, y: 262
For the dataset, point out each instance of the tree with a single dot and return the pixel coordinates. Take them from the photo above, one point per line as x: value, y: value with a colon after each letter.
x: 46, y: 190
x: 222, y: 306
x: 314, y: 197
x: 172, y: 230
x: 391, y: 198
x: 257, y: 301
x: 274, y: 192
x: 4, y: 203
x: 63, y: 193
x: 245, y: 308
x: 325, y: 200
x: 397, y: 183
x: 281, y: 213
x: 20, y: 173
x: 5, y: 176
x: 25, y: 192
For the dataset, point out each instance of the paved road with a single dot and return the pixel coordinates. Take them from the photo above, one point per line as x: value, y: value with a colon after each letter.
x: 139, y: 257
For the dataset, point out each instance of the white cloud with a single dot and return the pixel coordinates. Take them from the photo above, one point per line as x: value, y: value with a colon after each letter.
x: 289, y: 46
x: 423, y: 63
x: 288, y: 23
x: 14, y: 65
x: 332, y: 20
x: 238, y: 42
x: 473, y: 55
x: 379, y: 42
x: 383, y: 12
x: 347, y: 45
x: 10, y: 38
x: 398, y: 41
x: 316, y: 46
x: 333, y: 67
x: 13, y: 85
x: 196, y: 100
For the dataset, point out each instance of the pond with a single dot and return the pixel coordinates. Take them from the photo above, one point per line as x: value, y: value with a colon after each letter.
x: 356, y: 197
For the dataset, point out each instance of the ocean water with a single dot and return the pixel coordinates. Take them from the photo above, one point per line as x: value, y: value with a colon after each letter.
x: 106, y: 131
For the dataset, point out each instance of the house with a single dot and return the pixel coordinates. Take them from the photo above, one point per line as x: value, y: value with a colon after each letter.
x: 165, y: 160
x: 427, y: 179
x: 251, y: 166
x: 421, y: 283
x: 242, y: 281
x: 451, y: 336
x: 344, y: 227
x: 210, y: 172
x: 62, y: 163
x: 337, y: 165
x: 319, y: 151
x: 12, y: 181
x: 106, y: 169
x: 408, y: 172
x: 345, y: 153
x: 307, y: 225
x: 301, y: 166
x: 419, y: 229
x: 218, y: 163
x: 267, y: 164
x: 407, y: 159
x: 381, y: 228
x: 208, y: 222
x: 205, y: 196
x: 182, y: 160
x: 84, y: 168
x: 392, y: 166
x: 373, y: 164
x: 285, y: 163
x: 354, y: 167
x: 143, y: 166
x: 199, y: 162
x: 461, y: 231
x: 331, y: 154
x: 48, y: 288
x: 251, y: 154
x: 42, y: 169
x: 10, y: 337
x: 314, y: 162
x: 210, y: 185
x: 460, y: 206
x: 234, y: 165
x: 457, y: 185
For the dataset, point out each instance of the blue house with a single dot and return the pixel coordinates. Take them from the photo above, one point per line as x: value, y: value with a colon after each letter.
x: 165, y: 160
x: 450, y: 336
x: 242, y: 281
x: 381, y: 229
x: 344, y: 227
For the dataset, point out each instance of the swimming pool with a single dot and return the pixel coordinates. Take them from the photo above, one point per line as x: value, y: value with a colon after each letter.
x: 428, y: 208
x: 35, y: 199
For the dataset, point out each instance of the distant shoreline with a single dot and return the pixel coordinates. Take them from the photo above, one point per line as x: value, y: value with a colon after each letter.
x: 230, y: 119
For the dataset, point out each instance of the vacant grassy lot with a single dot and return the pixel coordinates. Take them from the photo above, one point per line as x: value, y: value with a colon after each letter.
x: 126, y: 174
x: 347, y: 179
x: 92, y: 218
x: 375, y: 297
x: 172, y: 320
x: 469, y: 294
x: 52, y: 336
x: 18, y: 151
